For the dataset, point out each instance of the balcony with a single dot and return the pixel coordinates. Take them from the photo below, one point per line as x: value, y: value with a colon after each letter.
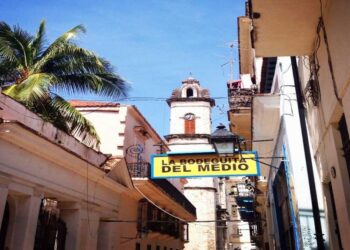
x: 161, y: 191
x: 256, y: 233
x: 278, y: 25
x: 247, y: 202
x: 247, y: 215
x: 139, y: 169
x: 155, y: 223
x: 240, y: 98
x: 240, y: 103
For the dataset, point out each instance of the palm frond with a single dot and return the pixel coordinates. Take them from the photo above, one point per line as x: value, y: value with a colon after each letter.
x: 79, y: 70
x: 6, y: 49
x: 68, y: 35
x: 33, y: 89
x: 65, y: 38
x: 35, y: 72
x: 23, y: 40
x: 65, y: 51
x: 8, y: 72
x: 78, y: 124
x: 38, y: 41
x: 49, y: 113
x: 107, y: 85
x: 14, y: 44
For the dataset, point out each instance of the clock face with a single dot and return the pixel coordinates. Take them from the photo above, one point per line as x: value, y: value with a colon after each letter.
x: 189, y: 116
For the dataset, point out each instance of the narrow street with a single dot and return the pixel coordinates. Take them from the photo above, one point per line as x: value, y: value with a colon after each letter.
x: 225, y: 127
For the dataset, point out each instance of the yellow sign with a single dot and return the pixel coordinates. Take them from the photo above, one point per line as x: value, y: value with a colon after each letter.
x: 204, y: 165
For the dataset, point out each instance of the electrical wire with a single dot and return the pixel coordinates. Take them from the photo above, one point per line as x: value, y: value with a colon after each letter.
x: 168, y: 221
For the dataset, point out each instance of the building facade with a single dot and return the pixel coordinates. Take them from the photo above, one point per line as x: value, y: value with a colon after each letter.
x: 154, y: 213
x: 55, y: 191
x: 275, y: 30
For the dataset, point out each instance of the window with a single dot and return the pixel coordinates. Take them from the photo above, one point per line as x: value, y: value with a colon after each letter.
x: 157, y: 247
x: 184, y: 231
x: 190, y: 124
x: 189, y: 92
x: 137, y: 246
x: 149, y: 247
x: 344, y: 133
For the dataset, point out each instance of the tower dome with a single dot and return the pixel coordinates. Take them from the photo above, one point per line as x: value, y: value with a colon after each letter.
x: 191, y: 91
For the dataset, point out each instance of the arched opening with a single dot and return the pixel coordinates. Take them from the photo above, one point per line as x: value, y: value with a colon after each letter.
x: 189, y: 92
x: 4, y: 225
x: 51, y: 230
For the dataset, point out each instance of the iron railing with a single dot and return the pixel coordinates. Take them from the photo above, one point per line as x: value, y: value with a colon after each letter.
x: 151, y: 219
x: 240, y: 98
x: 139, y: 169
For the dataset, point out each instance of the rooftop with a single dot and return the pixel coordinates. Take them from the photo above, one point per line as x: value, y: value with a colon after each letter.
x: 80, y: 103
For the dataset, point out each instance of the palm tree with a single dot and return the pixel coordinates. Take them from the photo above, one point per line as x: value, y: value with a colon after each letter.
x: 32, y: 73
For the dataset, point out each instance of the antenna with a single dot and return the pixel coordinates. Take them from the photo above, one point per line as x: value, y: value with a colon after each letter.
x: 231, y: 60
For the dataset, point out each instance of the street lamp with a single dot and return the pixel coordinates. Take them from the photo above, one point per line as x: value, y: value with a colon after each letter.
x: 224, y: 141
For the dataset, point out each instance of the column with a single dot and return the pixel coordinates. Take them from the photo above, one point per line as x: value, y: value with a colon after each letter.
x: 70, y: 213
x: 89, y: 229
x: 82, y: 225
x: 3, y: 200
x: 25, y: 224
x: 107, y: 236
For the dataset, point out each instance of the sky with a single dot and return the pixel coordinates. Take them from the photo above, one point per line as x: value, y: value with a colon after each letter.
x: 153, y: 44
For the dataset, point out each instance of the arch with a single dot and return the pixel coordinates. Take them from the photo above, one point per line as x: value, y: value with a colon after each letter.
x: 189, y: 92
x: 51, y: 230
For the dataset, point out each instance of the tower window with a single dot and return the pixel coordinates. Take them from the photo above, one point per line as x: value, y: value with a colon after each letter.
x: 190, y: 124
x: 189, y: 92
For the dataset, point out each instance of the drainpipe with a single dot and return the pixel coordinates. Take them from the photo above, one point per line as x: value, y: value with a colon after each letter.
x: 310, y: 173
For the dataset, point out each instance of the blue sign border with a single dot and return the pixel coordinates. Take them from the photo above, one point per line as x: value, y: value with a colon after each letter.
x: 202, y: 153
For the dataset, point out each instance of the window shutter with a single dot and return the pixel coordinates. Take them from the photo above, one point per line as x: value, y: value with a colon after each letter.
x: 190, y: 126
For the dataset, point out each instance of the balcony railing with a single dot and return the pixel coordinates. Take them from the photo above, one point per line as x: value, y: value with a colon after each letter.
x: 153, y: 220
x: 139, y: 169
x: 240, y: 98
x: 256, y: 232
x: 143, y: 170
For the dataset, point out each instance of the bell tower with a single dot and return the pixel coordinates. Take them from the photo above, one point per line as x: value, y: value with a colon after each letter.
x: 190, y: 129
x: 190, y: 117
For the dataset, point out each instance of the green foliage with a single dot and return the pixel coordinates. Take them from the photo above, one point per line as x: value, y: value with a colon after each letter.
x: 32, y: 72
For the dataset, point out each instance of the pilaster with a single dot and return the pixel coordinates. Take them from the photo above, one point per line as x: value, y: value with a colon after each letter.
x: 25, y: 223
x: 3, y: 200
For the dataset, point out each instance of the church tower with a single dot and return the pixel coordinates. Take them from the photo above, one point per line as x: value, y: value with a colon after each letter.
x: 190, y: 117
x: 190, y: 129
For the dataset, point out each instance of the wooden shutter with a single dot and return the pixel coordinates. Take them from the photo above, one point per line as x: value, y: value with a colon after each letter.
x: 190, y: 126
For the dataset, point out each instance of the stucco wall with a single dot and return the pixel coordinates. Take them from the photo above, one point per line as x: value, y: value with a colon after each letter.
x: 110, y: 125
x: 83, y: 192
x: 201, y: 234
x: 323, y: 120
